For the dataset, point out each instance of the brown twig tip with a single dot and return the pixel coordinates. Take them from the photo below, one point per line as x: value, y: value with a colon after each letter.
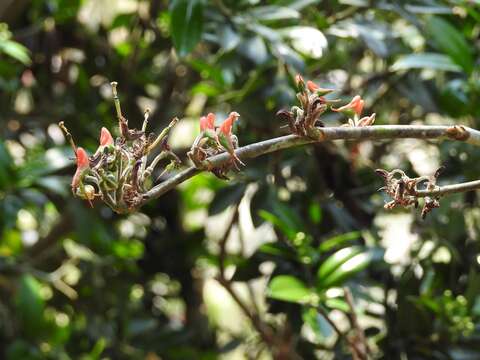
x: 405, y: 191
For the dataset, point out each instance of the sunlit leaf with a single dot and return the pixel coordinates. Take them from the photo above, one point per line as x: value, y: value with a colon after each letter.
x: 346, y: 270
x: 335, y: 260
x: 425, y: 61
x: 273, y: 12
x: 341, y: 239
x: 288, y: 288
x: 306, y: 40
x: 16, y: 51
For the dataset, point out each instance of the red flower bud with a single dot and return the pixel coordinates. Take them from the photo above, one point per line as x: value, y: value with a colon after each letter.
x: 226, y: 126
x: 356, y: 105
x: 82, y: 164
x: 105, y: 137
x: 207, y: 122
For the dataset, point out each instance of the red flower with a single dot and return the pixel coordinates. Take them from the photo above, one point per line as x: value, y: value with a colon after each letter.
x: 356, y: 105
x: 312, y: 86
x: 226, y: 126
x: 207, y: 122
x: 105, y: 137
x: 82, y: 164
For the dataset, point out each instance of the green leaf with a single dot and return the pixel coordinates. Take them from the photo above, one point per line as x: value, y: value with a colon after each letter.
x: 346, y: 270
x: 30, y: 305
x: 288, y: 288
x: 7, y: 174
x: 451, y: 42
x: 98, y: 349
x: 335, y: 260
x: 282, y: 221
x: 332, y: 242
x: 315, y: 213
x: 186, y: 24
x: 426, y: 61
x: 338, y: 304
x: 16, y: 51
x: 225, y: 197
x: 274, y: 12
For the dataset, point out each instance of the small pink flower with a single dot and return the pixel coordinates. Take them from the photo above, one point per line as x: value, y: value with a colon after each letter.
x: 82, y: 164
x: 207, y: 122
x: 105, y: 137
x: 226, y: 126
x: 356, y: 105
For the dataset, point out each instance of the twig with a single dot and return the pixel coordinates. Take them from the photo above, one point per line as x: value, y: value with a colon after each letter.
x: 264, y: 331
x: 69, y: 137
x: 251, y: 293
x: 116, y: 100
x: 360, y: 335
x: 162, y: 135
x: 354, y: 348
x: 378, y: 132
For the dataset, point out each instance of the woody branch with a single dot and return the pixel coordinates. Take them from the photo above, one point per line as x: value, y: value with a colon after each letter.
x: 376, y: 132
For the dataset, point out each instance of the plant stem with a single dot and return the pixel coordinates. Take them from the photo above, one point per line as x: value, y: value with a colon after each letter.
x: 377, y: 132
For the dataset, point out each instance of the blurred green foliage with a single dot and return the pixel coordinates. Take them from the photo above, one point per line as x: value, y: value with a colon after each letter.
x: 83, y: 283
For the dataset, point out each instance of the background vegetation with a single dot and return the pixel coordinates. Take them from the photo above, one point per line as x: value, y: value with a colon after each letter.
x: 83, y: 283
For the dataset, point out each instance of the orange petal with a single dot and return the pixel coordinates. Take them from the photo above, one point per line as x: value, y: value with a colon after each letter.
x: 356, y: 105
x: 312, y: 86
x: 207, y: 122
x: 226, y: 126
x: 82, y: 159
x: 203, y: 123
x: 105, y: 137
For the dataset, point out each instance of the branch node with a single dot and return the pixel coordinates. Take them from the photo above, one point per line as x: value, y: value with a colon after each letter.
x: 458, y: 132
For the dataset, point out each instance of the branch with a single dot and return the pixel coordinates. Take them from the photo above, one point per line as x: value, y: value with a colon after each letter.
x: 377, y: 132
x: 450, y: 189
x: 254, y: 317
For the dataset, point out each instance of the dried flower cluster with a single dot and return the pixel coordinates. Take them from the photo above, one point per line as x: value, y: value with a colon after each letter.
x: 313, y: 103
x: 404, y: 190
x: 118, y: 172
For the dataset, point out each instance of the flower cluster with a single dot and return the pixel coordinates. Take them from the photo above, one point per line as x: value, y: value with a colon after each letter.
x: 214, y: 140
x: 313, y: 103
x: 118, y: 171
x: 404, y: 190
